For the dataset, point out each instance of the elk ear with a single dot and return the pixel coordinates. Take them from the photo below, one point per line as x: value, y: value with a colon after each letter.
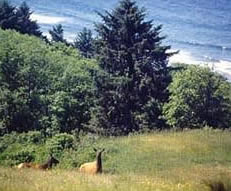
x: 102, y: 150
x: 94, y: 149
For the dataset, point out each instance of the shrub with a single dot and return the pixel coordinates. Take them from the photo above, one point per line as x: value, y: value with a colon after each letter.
x: 60, y: 142
x: 3, y: 146
x: 7, y: 140
x: 21, y: 156
x: 34, y: 137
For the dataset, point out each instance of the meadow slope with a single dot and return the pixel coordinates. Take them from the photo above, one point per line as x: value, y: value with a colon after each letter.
x: 158, y: 161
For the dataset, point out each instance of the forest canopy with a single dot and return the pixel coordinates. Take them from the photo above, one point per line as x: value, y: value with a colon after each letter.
x: 115, y: 83
x: 43, y: 87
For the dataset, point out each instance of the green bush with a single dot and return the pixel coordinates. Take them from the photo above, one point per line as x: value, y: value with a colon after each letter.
x: 60, y: 142
x: 7, y: 140
x: 34, y: 137
x: 81, y: 153
x: 3, y: 146
x: 21, y: 156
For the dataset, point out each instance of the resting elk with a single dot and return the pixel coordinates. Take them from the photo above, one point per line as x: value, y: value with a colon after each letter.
x: 94, y: 167
x: 47, y: 165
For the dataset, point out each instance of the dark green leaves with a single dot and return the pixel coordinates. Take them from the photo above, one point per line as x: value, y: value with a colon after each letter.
x: 84, y: 42
x: 135, y: 68
x: 57, y: 33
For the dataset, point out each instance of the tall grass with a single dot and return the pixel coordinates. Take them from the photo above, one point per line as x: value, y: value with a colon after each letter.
x: 159, y: 161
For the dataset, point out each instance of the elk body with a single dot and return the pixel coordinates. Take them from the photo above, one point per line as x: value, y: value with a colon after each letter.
x: 93, y: 167
x: 47, y: 165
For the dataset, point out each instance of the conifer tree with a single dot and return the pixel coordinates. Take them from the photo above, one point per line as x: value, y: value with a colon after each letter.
x: 18, y: 19
x: 84, y: 42
x: 7, y: 15
x: 57, y: 33
x: 135, y: 75
x: 24, y: 24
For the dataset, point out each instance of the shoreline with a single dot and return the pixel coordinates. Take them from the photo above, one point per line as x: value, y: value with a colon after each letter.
x: 222, y: 67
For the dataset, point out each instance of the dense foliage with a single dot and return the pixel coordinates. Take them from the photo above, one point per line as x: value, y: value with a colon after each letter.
x: 57, y: 33
x: 43, y: 87
x: 18, y: 18
x: 198, y: 97
x: 55, y: 98
x: 133, y: 83
x: 84, y: 42
x: 54, y: 88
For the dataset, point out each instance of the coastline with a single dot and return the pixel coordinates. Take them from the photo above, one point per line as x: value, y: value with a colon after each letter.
x: 211, y: 56
x: 222, y: 67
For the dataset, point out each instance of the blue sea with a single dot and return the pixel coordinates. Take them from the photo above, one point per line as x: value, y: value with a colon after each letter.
x: 200, y: 29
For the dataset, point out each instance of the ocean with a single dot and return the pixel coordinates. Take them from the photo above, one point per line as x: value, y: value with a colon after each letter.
x: 200, y: 29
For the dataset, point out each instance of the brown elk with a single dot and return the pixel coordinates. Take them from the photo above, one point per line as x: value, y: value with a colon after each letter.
x: 47, y: 165
x: 93, y: 167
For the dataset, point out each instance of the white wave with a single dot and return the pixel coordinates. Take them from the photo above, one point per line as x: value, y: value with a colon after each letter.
x: 183, y: 57
x: 70, y: 37
x: 47, y: 34
x: 220, y: 66
x: 45, y: 19
x: 223, y: 67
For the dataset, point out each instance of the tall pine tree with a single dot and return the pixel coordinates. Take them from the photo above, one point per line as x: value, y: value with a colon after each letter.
x: 84, y: 43
x: 133, y: 83
x: 18, y: 19
x: 57, y: 34
x: 7, y: 15
x: 24, y: 24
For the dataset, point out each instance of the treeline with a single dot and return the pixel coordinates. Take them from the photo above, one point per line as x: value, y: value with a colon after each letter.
x: 19, y: 19
x: 117, y: 83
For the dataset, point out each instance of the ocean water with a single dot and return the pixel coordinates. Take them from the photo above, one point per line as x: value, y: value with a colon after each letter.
x: 200, y: 29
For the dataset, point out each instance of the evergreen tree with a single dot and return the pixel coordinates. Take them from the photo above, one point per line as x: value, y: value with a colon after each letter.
x: 133, y: 83
x: 84, y: 42
x: 57, y: 33
x: 18, y: 19
x: 24, y: 24
x: 7, y: 15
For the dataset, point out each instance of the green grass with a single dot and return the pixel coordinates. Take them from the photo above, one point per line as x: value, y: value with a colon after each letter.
x: 158, y: 161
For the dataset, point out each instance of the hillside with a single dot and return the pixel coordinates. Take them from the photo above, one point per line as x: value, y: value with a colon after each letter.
x: 158, y: 161
x: 111, y: 92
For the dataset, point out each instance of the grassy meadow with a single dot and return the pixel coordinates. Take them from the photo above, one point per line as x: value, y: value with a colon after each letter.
x: 157, y: 161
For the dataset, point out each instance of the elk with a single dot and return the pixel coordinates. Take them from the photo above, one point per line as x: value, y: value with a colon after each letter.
x: 94, y: 167
x: 47, y: 165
